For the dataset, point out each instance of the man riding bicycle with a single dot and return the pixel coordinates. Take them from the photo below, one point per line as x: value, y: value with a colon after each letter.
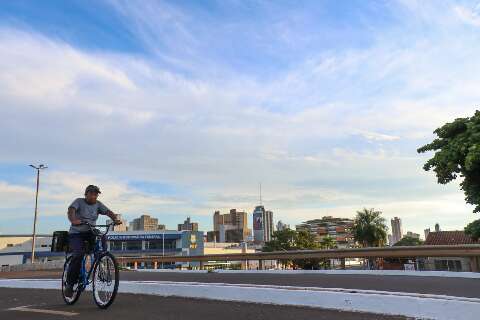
x: 80, y: 235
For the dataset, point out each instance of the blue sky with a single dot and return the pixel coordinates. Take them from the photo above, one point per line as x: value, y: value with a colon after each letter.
x: 181, y: 108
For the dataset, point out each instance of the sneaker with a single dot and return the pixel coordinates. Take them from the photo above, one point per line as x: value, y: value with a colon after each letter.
x: 68, y: 292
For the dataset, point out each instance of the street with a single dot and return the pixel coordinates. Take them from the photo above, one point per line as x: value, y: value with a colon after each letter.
x: 128, y: 306
x: 149, y: 295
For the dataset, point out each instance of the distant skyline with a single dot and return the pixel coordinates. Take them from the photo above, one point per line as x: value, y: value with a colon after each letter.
x: 181, y: 108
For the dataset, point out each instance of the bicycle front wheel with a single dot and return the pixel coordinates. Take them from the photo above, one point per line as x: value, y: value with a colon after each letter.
x: 105, y: 280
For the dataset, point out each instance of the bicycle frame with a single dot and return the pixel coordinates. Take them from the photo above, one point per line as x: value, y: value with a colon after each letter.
x: 85, y: 274
x: 99, y: 247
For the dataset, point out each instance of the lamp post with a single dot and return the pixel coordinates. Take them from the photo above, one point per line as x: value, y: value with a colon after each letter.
x: 163, y: 245
x: 38, y: 168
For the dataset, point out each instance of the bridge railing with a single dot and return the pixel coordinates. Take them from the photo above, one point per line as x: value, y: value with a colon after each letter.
x: 471, y: 251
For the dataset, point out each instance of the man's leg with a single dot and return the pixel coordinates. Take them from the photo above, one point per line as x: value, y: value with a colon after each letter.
x: 77, y: 247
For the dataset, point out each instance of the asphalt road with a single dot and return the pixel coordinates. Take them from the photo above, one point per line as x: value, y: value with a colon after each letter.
x: 433, y: 285
x: 130, y: 306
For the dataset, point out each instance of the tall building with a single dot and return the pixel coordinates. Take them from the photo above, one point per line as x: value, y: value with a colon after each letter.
x: 282, y: 226
x: 340, y: 229
x: 188, y: 226
x: 120, y: 227
x: 426, y: 232
x: 390, y: 240
x: 437, y: 227
x: 413, y: 235
x: 262, y: 225
x: 230, y: 227
x: 268, y: 225
x: 145, y: 223
x: 397, y: 232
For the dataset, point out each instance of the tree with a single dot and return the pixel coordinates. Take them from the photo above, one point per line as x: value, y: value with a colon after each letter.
x: 473, y: 229
x: 305, y: 240
x: 328, y: 243
x: 369, y: 228
x: 408, y: 241
x: 457, y: 154
x: 282, y: 240
x: 287, y: 239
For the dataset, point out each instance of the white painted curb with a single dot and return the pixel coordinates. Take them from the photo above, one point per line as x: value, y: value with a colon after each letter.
x: 393, y: 303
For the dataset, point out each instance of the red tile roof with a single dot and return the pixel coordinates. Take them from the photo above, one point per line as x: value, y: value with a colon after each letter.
x: 448, y: 238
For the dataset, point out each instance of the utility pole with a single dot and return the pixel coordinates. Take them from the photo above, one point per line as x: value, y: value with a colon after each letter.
x: 163, y: 246
x: 40, y: 167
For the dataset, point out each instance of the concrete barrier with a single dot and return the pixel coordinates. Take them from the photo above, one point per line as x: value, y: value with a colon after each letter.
x: 50, y: 265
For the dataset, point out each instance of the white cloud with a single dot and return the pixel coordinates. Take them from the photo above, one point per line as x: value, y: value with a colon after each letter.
x: 470, y: 16
x: 58, y: 189
x: 375, y: 136
x: 336, y: 130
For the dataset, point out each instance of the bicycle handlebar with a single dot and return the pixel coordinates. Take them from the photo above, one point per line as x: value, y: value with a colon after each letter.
x: 93, y: 227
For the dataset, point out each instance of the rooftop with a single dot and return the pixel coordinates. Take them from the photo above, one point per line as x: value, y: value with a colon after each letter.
x: 448, y: 238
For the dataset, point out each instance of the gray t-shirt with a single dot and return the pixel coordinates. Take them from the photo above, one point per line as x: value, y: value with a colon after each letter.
x: 86, y: 212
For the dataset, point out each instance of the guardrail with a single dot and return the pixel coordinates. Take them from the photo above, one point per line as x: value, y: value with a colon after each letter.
x: 471, y: 251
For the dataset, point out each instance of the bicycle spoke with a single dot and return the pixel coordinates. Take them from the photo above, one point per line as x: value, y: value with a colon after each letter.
x: 104, y: 280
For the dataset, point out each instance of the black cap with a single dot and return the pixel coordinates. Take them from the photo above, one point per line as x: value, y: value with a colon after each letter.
x: 92, y: 188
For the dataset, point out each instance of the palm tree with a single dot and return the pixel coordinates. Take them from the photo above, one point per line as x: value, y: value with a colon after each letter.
x: 369, y: 228
x: 328, y: 243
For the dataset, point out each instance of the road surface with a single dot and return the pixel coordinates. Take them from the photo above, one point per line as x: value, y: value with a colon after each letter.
x: 459, y: 287
x: 151, y: 306
x: 129, y: 306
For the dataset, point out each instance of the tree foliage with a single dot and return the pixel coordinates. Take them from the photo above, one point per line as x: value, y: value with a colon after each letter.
x: 328, y: 243
x: 457, y: 154
x: 282, y: 240
x: 369, y: 228
x: 287, y: 239
x: 408, y: 241
x: 473, y: 229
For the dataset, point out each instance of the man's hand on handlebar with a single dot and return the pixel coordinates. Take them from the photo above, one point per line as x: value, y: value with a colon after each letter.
x: 115, y: 219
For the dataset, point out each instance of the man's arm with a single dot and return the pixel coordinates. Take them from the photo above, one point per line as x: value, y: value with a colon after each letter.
x: 112, y: 216
x: 105, y: 211
x: 72, y: 216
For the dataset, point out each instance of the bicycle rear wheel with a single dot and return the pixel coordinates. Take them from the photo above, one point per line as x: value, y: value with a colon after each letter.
x: 76, y: 288
x: 105, y: 280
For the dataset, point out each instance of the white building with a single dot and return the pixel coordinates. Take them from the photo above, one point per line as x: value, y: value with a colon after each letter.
x: 282, y: 226
x: 16, y: 249
x: 413, y: 235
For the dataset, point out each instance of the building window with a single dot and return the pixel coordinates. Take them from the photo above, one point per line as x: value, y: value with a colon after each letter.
x: 154, y: 245
x: 448, y: 265
x: 116, y: 245
x: 9, y: 245
x: 134, y: 245
x: 157, y: 244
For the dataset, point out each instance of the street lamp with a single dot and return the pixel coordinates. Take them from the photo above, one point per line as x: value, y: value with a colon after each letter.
x: 163, y: 246
x: 40, y: 167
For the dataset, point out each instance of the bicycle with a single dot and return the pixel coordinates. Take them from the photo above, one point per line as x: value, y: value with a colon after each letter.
x: 102, y: 272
